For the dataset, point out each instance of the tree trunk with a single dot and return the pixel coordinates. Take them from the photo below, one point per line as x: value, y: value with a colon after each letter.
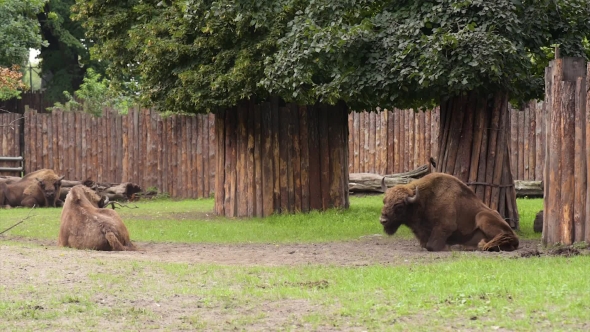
x: 281, y: 159
x: 473, y: 146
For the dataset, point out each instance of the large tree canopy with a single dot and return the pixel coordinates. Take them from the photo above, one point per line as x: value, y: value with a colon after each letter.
x: 19, y: 30
x: 66, y: 56
x: 199, y: 55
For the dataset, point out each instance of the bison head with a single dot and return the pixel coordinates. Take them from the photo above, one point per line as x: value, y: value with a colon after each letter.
x: 81, y: 193
x: 397, y: 206
x: 50, y: 187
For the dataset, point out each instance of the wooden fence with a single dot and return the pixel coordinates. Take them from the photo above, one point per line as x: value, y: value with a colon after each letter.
x: 391, y: 142
x: 401, y: 140
x: 10, y: 131
x: 30, y: 99
x: 141, y: 147
x: 144, y: 148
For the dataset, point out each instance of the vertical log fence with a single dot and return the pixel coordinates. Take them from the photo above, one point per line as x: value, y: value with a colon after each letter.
x: 141, y: 147
x: 145, y: 148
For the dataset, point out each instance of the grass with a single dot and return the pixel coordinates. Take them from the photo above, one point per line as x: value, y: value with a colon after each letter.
x: 193, y: 221
x: 461, y: 291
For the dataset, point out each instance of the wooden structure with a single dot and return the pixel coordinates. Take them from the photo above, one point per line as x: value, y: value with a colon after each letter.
x: 27, y: 100
x: 391, y: 141
x: 473, y: 146
x: 276, y: 158
x: 10, y: 133
x: 401, y: 140
x: 141, y: 147
x: 566, y: 214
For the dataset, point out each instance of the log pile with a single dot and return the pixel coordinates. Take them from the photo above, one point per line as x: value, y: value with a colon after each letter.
x: 121, y: 192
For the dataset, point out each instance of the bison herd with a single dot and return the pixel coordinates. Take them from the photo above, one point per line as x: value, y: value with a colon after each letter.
x: 438, y: 208
x: 85, y: 223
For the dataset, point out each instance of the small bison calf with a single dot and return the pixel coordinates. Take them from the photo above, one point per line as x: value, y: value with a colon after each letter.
x: 441, y: 210
x: 86, y: 225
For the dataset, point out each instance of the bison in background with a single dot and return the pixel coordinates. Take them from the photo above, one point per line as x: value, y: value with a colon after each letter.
x: 441, y: 210
x: 39, y: 188
x: 86, y: 225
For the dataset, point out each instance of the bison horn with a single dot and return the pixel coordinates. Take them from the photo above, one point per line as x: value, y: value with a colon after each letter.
x: 410, y: 200
x: 383, y: 185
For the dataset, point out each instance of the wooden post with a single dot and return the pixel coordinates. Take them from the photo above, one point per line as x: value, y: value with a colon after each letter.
x: 566, y: 187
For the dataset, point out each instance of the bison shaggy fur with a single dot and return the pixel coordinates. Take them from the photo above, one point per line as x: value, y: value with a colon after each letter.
x: 39, y: 188
x: 441, y: 210
x: 85, y: 224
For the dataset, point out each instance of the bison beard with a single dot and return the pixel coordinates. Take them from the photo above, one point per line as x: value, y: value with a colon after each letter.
x: 441, y: 210
x: 86, y: 225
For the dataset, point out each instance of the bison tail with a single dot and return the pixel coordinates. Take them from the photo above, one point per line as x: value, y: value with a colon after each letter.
x: 501, y: 242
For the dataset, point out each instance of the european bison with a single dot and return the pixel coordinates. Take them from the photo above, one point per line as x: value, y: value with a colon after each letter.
x: 39, y: 188
x: 86, y: 225
x: 441, y: 210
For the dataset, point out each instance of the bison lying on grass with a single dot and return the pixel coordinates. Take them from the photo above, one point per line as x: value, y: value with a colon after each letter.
x: 39, y: 188
x: 86, y: 225
x: 441, y: 210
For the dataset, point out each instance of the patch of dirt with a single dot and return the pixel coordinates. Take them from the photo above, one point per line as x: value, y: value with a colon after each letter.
x: 368, y: 250
x: 35, y: 262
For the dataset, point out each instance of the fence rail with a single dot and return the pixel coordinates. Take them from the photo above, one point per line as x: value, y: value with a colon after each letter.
x: 144, y: 148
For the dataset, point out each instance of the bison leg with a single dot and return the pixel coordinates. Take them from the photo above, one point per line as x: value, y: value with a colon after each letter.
x: 116, y: 245
x: 498, y: 234
x: 29, y: 202
x: 438, y: 237
x: 113, y: 241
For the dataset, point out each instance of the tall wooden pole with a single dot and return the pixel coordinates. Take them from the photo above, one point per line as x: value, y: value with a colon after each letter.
x: 566, y: 187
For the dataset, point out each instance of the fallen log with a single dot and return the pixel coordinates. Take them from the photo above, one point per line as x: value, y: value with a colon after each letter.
x: 528, y: 188
x: 415, y: 173
x: 369, y: 182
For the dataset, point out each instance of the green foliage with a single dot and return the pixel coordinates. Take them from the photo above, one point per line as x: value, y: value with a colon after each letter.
x: 94, y: 95
x: 66, y: 57
x: 413, y: 53
x: 19, y: 30
x: 11, y: 82
x: 199, y: 55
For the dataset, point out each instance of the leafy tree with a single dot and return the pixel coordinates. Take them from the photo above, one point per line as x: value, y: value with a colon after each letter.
x: 19, y: 30
x: 66, y: 57
x: 93, y: 95
x: 11, y: 82
x: 188, y: 55
x: 468, y: 56
x: 197, y: 55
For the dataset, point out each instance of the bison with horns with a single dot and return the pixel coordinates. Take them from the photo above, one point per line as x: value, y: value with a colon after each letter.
x: 441, y: 210
x: 39, y: 188
x: 86, y: 225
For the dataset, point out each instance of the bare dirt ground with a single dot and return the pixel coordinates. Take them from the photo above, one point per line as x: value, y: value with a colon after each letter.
x: 368, y: 250
x: 33, y: 264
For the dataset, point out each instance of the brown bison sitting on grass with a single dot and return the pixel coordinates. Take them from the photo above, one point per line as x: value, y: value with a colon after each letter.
x: 441, y: 210
x: 39, y: 188
x: 86, y: 225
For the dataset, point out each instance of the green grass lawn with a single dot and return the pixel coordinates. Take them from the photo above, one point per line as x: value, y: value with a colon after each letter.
x: 194, y: 221
x: 462, y: 291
